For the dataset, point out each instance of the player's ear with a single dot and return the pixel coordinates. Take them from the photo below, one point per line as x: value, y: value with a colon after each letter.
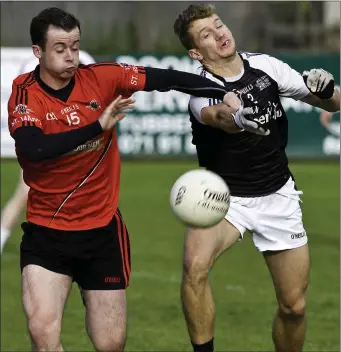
x: 195, y: 55
x: 37, y: 51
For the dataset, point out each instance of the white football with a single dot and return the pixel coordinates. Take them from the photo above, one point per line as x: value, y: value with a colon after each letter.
x: 200, y: 198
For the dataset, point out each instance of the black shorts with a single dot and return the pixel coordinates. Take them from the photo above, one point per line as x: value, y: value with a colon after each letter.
x: 97, y: 259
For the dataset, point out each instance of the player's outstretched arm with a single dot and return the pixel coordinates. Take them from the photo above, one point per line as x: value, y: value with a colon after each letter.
x: 315, y: 87
x: 34, y: 145
x: 126, y: 79
x: 164, y: 80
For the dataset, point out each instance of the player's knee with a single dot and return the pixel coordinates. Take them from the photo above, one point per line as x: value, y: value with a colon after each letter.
x: 196, y: 269
x: 111, y: 344
x: 293, y: 308
x: 43, y: 328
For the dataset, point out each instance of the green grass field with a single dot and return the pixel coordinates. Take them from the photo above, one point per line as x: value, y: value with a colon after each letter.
x: 243, y: 290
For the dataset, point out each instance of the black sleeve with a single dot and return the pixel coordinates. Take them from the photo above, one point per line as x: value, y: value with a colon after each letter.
x: 34, y: 145
x: 189, y: 83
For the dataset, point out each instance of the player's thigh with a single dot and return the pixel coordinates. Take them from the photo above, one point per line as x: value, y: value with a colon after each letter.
x: 21, y: 191
x: 103, y: 259
x: 279, y: 224
x: 290, y: 274
x: 106, y: 313
x: 203, y: 246
x: 22, y: 186
x: 44, y: 293
x: 102, y: 272
x: 47, y: 248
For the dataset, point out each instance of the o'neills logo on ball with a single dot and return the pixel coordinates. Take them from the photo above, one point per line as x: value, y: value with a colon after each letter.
x: 218, y: 196
x: 180, y: 195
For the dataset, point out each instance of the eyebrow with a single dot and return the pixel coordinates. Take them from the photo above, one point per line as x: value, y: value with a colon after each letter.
x: 202, y: 29
x: 62, y: 43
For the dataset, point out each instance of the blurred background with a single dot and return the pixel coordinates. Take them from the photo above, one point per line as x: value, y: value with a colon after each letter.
x: 147, y: 26
x: 155, y: 144
x: 304, y: 34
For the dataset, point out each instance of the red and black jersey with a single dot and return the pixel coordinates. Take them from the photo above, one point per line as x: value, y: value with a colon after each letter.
x: 80, y: 189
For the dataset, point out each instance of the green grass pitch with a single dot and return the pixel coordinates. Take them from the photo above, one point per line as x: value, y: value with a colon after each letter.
x: 242, y: 287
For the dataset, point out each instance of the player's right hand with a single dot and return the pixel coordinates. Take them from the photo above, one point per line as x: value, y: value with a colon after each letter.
x: 243, y: 116
x: 114, y: 112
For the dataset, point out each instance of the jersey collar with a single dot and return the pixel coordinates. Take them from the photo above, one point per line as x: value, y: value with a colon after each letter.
x: 61, y: 94
x: 224, y: 80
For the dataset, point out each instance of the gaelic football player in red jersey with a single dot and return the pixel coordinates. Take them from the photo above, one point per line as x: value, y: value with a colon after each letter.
x: 62, y: 117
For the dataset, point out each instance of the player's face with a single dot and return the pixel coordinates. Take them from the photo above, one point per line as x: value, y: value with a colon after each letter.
x: 61, y: 55
x: 213, y: 40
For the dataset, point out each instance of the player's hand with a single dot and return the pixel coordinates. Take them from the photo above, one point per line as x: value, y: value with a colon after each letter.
x: 231, y: 100
x: 114, y: 112
x: 325, y: 118
x: 319, y: 82
x: 243, y: 116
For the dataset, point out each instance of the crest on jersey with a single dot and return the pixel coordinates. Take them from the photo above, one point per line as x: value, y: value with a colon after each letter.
x: 22, y: 109
x: 263, y: 82
x: 93, y: 105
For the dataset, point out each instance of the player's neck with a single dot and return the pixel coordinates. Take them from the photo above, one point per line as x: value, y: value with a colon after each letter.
x: 51, y: 81
x: 227, y: 67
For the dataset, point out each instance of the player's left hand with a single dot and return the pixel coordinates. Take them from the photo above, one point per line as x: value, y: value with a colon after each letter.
x: 319, y: 82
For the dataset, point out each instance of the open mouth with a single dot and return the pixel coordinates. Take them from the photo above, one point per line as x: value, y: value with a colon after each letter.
x: 226, y: 43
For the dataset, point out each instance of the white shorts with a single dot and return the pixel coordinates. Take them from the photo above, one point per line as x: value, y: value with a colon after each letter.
x: 275, y: 221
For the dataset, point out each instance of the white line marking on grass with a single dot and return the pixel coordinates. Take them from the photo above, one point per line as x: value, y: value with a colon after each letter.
x: 174, y: 278
x: 236, y: 288
x: 155, y: 277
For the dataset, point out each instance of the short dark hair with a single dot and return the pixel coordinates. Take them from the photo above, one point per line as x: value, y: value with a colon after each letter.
x: 52, y: 16
x: 185, y: 19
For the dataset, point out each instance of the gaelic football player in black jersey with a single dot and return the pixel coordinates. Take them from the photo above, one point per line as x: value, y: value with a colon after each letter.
x: 264, y: 197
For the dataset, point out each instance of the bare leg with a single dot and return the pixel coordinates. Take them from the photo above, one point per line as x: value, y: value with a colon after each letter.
x: 106, y: 319
x: 12, y: 210
x: 44, y: 295
x: 290, y: 271
x: 202, y: 248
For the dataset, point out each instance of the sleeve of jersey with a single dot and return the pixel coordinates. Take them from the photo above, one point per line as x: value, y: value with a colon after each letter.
x: 23, y: 109
x: 126, y: 79
x: 290, y: 82
x: 132, y: 79
x: 164, y: 80
x: 197, y: 104
x: 118, y: 79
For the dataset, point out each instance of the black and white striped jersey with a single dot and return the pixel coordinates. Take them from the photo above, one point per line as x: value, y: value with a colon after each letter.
x: 251, y: 165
